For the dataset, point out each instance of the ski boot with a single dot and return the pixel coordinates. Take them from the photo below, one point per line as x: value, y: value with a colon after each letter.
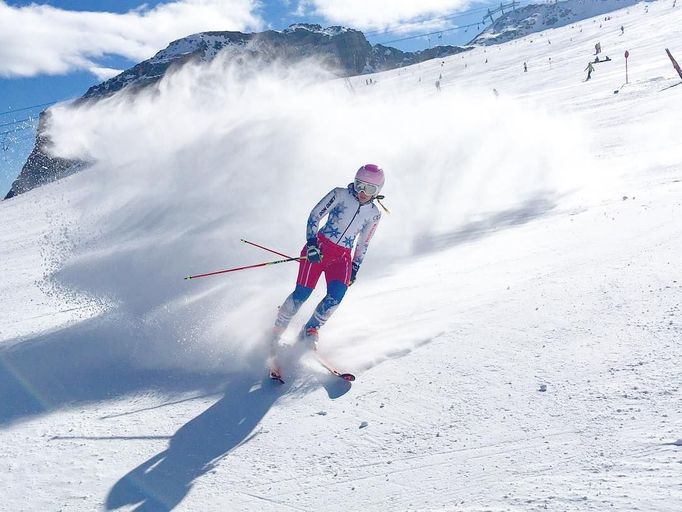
x: 309, y: 337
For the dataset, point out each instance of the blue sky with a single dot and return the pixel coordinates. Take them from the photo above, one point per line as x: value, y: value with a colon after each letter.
x: 54, y: 50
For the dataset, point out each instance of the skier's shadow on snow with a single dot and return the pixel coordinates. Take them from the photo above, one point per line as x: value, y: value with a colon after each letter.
x: 161, y: 483
x: 334, y: 386
x: 86, y: 362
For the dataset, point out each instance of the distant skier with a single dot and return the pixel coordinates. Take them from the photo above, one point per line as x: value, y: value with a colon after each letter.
x: 589, y: 70
x: 525, y: 67
x: 351, y: 213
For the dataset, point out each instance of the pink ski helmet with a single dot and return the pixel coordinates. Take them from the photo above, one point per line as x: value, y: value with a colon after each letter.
x: 369, y: 179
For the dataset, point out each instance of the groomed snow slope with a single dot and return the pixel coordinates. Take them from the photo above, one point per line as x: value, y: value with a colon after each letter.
x: 534, y: 243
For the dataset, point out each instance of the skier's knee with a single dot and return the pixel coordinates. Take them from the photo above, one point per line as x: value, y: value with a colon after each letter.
x: 336, y: 290
x: 301, y: 294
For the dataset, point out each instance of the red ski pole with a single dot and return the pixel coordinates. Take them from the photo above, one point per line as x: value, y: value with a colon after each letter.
x: 244, y: 268
x: 264, y: 248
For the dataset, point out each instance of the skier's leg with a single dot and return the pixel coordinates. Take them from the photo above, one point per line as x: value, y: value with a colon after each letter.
x: 291, y: 306
x: 286, y: 312
x: 308, y: 275
x: 337, y: 274
x: 324, y: 310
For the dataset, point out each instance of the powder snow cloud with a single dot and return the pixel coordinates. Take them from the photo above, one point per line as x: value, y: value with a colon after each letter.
x: 221, y: 151
x: 41, y: 39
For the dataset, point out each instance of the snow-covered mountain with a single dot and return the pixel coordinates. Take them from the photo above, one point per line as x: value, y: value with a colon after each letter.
x: 535, y: 18
x: 515, y: 327
x: 345, y: 52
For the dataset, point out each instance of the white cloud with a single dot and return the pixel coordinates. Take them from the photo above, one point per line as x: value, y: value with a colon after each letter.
x: 104, y: 73
x: 383, y: 14
x: 40, y: 39
x: 423, y: 26
x: 303, y: 8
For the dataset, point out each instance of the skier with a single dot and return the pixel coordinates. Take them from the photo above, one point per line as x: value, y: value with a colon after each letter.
x: 351, y: 212
x: 589, y: 70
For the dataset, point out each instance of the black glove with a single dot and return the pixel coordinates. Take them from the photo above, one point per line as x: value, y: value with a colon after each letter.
x: 313, y: 251
x: 354, y: 272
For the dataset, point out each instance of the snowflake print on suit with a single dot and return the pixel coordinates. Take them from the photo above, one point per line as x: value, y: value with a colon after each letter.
x: 345, y: 220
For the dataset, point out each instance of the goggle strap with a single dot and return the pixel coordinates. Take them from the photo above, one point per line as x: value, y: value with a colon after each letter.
x: 381, y: 204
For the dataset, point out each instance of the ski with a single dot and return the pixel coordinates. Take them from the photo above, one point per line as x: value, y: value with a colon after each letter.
x: 274, y: 370
x: 348, y: 377
x: 276, y: 375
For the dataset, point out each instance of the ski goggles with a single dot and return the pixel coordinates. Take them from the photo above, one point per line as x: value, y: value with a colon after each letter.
x: 368, y: 188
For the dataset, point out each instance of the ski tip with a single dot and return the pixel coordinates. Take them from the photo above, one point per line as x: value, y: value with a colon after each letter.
x: 275, y: 376
x: 349, y: 377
